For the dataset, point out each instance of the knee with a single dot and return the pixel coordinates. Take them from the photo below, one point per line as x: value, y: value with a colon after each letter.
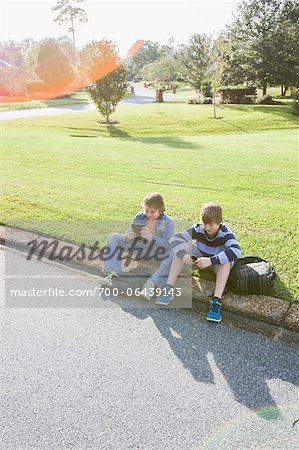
x: 115, y: 237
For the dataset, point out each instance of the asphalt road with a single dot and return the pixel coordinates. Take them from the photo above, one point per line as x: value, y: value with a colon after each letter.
x: 143, y: 96
x: 119, y: 376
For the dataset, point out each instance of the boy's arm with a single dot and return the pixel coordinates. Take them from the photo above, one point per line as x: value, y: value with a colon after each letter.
x: 167, y: 235
x: 178, y: 242
x: 231, y: 253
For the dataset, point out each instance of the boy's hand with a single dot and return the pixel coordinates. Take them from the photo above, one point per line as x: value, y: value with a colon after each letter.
x: 131, y: 235
x: 146, y: 234
x: 203, y: 262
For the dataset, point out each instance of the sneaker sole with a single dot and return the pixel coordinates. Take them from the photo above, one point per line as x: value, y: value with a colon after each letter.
x: 164, y: 304
x: 213, y: 320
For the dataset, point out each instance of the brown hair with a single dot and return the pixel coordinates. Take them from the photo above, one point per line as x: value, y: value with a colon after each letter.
x: 211, y: 213
x: 154, y: 200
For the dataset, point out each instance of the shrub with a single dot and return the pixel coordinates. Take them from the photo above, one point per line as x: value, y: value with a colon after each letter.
x: 207, y: 89
x: 247, y: 100
x: 235, y: 94
x: 267, y: 100
x: 194, y: 101
x: 295, y: 105
x: 207, y: 100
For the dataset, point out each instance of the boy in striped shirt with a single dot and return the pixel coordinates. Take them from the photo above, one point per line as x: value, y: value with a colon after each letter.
x: 215, y: 247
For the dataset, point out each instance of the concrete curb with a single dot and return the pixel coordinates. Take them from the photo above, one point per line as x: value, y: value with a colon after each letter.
x: 265, y: 310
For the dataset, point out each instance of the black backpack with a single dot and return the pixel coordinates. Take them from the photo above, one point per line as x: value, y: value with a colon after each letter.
x: 252, y: 275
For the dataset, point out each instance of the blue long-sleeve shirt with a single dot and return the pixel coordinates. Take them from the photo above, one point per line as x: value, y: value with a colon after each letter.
x: 164, y: 229
x: 222, y: 248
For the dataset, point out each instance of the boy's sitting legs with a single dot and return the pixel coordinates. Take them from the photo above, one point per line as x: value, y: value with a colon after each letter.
x: 159, y: 277
x: 175, y: 270
x: 222, y: 273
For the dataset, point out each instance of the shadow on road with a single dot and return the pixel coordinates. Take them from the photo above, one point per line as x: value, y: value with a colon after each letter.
x: 244, y: 363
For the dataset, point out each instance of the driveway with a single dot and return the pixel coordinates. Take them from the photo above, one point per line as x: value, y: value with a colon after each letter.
x: 142, y: 96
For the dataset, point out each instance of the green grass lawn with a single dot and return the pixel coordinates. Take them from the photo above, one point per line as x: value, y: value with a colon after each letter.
x: 76, y: 97
x: 71, y: 168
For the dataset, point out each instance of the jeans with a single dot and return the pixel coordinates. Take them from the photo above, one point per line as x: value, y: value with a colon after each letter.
x: 117, y: 246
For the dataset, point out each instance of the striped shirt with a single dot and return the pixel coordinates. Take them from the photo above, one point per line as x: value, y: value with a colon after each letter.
x: 222, y: 248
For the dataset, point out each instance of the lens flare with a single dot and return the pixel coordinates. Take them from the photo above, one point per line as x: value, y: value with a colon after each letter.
x: 60, y: 84
x: 257, y: 429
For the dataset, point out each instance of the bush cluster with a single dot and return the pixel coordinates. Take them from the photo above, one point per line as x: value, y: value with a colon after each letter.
x: 237, y: 94
x: 199, y: 101
x: 295, y: 105
x: 267, y: 100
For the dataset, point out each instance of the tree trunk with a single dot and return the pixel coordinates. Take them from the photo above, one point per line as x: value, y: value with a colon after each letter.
x: 264, y: 88
x: 281, y: 90
x: 73, y: 32
x: 285, y: 90
x: 159, y: 95
x: 214, y: 104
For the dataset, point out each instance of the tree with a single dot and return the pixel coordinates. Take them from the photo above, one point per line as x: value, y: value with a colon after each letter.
x: 160, y: 72
x: 163, y: 70
x: 105, y: 75
x: 147, y: 54
x: 259, y: 43
x: 286, y: 36
x: 53, y: 66
x: 69, y: 13
x: 195, y: 60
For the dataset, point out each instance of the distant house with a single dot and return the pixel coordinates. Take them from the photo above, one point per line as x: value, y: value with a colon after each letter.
x: 13, y: 80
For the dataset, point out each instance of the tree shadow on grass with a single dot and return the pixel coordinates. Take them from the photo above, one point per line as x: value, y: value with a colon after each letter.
x: 281, y: 110
x: 169, y: 141
x: 116, y: 132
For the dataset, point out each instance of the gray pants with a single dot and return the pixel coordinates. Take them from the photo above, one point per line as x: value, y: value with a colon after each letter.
x: 117, y: 246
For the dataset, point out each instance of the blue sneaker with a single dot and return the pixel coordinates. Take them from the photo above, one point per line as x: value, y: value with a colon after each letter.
x: 165, y: 298
x: 214, y: 314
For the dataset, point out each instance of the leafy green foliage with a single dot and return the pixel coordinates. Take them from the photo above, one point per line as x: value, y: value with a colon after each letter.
x: 236, y: 94
x: 53, y: 65
x: 106, y: 78
x: 147, y: 54
x: 195, y: 60
x: 162, y: 70
x: 295, y: 106
x: 261, y: 46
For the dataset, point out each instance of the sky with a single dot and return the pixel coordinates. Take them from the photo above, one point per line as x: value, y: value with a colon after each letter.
x: 122, y: 21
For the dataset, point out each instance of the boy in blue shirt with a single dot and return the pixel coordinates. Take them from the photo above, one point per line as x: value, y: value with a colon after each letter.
x: 149, y: 234
x: 215, y: 248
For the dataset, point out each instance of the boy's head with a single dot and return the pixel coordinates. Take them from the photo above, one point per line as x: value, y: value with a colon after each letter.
x: 153, y: 205
x: 211, y: 217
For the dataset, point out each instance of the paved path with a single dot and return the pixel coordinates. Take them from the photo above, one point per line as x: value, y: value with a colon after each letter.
x: 114, y: 375
x: 143, y: 96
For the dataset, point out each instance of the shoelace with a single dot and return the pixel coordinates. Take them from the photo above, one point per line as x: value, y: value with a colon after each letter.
x: 215, y: 307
